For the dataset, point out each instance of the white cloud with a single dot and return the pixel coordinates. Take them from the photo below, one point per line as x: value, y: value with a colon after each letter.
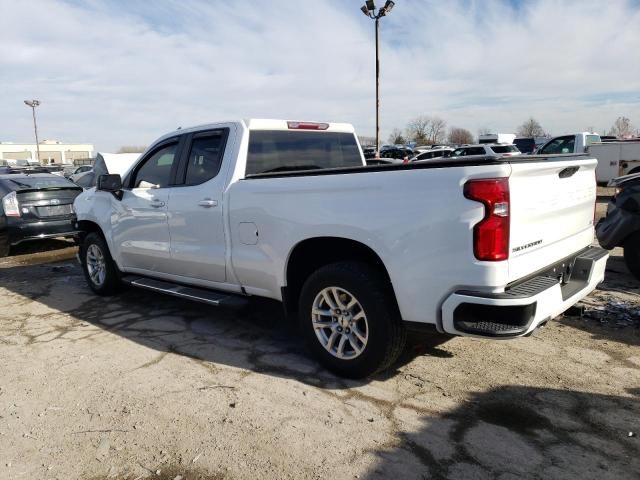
x: 125, y: 73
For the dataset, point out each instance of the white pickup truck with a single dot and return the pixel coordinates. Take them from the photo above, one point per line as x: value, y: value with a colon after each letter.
x: 575, y: 143
x: 359, y: 255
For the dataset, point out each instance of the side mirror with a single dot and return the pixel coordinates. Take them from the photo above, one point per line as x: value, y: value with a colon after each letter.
x: 109, y: 183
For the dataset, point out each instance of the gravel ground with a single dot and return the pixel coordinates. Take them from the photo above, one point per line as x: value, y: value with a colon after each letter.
x: 145, y: 386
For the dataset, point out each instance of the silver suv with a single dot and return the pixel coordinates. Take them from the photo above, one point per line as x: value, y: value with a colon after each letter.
x: 492, y: 149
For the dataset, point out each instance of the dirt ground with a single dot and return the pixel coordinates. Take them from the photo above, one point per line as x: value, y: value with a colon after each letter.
x: 145, y: 386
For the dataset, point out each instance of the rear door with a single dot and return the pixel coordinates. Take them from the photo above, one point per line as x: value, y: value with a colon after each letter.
x: 552, y: 207
x: 196, y: 221
x: 139, y: 227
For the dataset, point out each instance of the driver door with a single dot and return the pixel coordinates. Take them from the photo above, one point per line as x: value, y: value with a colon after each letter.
x: 140, y: 227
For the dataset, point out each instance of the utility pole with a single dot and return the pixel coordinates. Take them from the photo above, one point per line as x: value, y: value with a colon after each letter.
x: 33, y: 104
x: 369, y: 10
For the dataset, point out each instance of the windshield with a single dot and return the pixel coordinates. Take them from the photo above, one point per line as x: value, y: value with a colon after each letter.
x: 36, y: 182
x: 593, y: 139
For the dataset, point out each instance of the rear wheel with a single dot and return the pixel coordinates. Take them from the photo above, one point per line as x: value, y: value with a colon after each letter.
x: 4, y: 250
x: 632, y: 254
x: 349, y: 319
x: 100, y: 270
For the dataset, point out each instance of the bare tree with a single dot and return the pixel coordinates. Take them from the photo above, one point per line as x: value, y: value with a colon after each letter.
x: 530, y: 128
x: 622, y: 128
x: 131, y: 149
x: 437, y: 130
x: 425, y: 130
x: 460, y: 136
x: 366, y: 141
x: 418, y: 128
x: 397, y: 137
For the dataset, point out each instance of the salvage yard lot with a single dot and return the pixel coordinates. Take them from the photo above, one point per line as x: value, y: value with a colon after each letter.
x: 146, y: 386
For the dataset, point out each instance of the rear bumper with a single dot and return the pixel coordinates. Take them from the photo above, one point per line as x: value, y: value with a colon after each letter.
x: 19, y: 231
x: 524, y: 306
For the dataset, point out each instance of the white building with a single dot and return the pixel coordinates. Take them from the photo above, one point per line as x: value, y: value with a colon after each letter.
x: 51, y: 151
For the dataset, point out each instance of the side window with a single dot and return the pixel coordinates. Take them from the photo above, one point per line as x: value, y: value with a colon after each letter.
x: 155, y: 172
x: 205, y: 157
x: 475, y: 151
x: 460, y: 152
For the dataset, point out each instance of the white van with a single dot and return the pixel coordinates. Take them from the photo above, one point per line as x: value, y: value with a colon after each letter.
x: 497, y: 138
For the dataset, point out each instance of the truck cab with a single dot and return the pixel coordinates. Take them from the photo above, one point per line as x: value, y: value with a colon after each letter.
x: 575, y: 143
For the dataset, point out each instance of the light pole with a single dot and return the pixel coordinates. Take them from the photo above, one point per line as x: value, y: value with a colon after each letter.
x: 33, y: 104
x: 369, y: 10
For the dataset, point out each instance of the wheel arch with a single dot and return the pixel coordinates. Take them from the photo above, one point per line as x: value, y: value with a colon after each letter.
x: 89, y: 226
x: 312, y: 253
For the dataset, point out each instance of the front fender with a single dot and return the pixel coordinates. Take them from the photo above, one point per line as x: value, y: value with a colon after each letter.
x: 96, y: 207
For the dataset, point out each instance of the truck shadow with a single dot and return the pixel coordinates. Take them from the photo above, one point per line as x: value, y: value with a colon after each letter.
x: 516, y: 432
x: 257, y: 337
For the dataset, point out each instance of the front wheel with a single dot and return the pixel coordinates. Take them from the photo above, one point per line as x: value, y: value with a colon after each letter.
x: 100, y: 271
x: 349, y: 319
x: 632, y: 254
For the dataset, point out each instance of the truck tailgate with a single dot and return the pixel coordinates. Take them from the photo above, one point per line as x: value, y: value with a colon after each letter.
x: 552, y: 208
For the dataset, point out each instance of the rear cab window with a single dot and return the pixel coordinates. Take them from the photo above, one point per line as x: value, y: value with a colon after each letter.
x: 287, y: 151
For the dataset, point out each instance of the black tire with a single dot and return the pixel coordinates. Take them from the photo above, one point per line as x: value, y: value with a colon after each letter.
x: 111, y: 283
x: 4, y: 249
x: 385, y: 334
x: 632, y: 254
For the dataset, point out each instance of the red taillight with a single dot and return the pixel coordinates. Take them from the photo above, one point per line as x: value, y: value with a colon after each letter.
x: 307, y: 126
x: 491, y: 234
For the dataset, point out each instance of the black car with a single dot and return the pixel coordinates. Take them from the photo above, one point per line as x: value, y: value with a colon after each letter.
x: 35, y: 206
x: 396, y: 152
x: 621, y: 226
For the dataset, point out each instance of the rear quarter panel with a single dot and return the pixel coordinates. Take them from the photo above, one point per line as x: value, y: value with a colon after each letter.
x: 416, y: 220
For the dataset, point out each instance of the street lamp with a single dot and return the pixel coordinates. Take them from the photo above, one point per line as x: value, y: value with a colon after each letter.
x: 369, y: 9
x: 33, y: 104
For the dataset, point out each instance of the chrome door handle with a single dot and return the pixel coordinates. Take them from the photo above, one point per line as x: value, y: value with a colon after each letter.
x: 208, y: 203
x: 157, y: 203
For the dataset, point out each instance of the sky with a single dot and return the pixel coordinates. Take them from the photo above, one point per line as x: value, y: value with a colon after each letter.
x: 116, y: 73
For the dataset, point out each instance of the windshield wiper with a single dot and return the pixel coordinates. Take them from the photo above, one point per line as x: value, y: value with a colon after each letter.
x: 20, y: 184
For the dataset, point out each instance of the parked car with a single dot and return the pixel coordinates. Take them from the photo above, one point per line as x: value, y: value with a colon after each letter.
x: 77, y: 170
x: 396, y: 152
x: 486, y: 149
x: 526, y: 145
x: 621, y: 226
x: 433, y: 153
x: 278, y: 209
x: 35, y: 206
